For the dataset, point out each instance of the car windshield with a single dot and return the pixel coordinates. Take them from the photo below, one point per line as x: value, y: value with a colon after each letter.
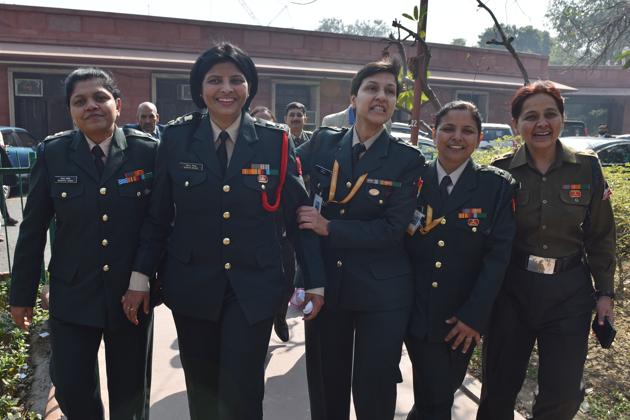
x: 25, y: 139
x: 490, y: 134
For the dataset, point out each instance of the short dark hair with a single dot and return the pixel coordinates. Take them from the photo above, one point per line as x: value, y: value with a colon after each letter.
x: 260, y: 109
x: 295, y: 105
x: 89, y: 73
x: 389, y: 66
x: 539, y: 86
x: 221, y: 53
x: 459, y: 106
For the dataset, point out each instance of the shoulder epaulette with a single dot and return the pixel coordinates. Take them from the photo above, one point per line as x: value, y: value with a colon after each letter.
x: 186, y: 119
x: 58, y: 135
x: 270, y: 124
x: 586, y: 152
x: 337, y: 129
x: 138, y: 133
x: 496, y: 171
x: 504, y: 156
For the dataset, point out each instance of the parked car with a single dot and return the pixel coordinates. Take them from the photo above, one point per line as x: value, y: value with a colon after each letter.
x: 20, y: 147
x: 404, y: 128
x: 574, y: 128
x: 623, y: 136
x: 610, y: 151
x: 493, y: 133
x: 425, y: 144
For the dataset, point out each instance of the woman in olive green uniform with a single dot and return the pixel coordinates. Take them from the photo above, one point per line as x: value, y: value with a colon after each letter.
x: 565, y: 234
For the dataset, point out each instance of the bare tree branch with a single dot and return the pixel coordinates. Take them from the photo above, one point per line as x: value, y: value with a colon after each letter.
x: 505, y: 41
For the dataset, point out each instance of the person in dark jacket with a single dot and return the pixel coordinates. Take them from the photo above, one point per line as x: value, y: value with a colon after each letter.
x: 459, y: 243
x: 221, y: 178
x: 95, y: 182
x: 565, y: 242
x: 363, y: 183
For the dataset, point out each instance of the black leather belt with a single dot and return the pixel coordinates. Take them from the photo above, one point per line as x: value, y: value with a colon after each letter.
x: 545, y: 265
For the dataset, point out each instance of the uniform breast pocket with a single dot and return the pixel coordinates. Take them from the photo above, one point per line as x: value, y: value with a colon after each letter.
x: 378, y: 195
x: 68, y: 199
x: 575, y: 201
x: 260, y: 182
x: 136, y: 190
x: 186, y: 181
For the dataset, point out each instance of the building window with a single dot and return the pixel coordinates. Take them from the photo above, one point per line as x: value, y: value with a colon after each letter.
x: 172, y: 96
x: 305, y: 93
x: 480, y: 99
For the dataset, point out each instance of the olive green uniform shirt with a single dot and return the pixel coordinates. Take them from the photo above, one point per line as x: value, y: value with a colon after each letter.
x: 565, y: 211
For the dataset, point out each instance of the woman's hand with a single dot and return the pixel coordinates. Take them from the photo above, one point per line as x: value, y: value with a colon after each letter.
x: 462, y: 333
x: 131, y: 302
x: 317, y: 301
x: 309, y: 218
x: 604, y: 309
x: 22, y: 316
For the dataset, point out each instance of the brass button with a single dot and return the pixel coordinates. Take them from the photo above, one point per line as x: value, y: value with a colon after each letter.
x: 64, y: 194
x: 339, y: 264
x: 544, y: 201
x: 443, y: 221
x: 103, y: 191
x: 263, y: 187
x: 227, y: 266
x: 380, y: 202
x: 226, y: 241
x: 186, y: 184
x: 342, y: 211
x: 226, y: 215
x: 544, y: 178
x: 441, y: 243
x: 348, y: 184
x: 226, y: 188
x: 106, y: 268
x: 438, y: 264
x: 104, y: 218
x: 138, y: 194
x: 474, y: 229
x: 545, y: 246
x: 104, y: 242
x: 434, y: 284
x: 544, y: 227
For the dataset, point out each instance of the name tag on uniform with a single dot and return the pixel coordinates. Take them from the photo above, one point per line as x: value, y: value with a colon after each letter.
x: 317, y: 202
x: 66, y: 179
x: 191, y: 166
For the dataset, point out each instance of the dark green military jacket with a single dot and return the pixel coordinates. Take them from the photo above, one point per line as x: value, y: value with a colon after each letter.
x: 98, y: 225
x: 214, y: 229
x: 366, y: 264
x: 461, y: 251
x: 565, y: 211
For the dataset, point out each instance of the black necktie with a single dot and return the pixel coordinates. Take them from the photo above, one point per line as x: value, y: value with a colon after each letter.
x: 98, y: 154
x: 222, y: 151
x: 357, y: 149
x: 444, y: 184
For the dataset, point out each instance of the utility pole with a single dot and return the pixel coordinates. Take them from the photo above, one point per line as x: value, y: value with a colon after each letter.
x: 418, y: 84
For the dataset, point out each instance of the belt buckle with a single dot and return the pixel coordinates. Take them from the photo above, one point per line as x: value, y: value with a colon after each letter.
x: 541, y: 265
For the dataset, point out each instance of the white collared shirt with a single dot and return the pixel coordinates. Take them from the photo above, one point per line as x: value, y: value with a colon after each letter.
x: 105, y: 145
x: 232, y: 131
x: 367, y: 143
x: 441, y: 173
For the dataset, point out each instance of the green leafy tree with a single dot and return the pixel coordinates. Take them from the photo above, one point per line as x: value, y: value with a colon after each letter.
x: 375, y: 28
x: 459, y: 41
x: 597, y: 30
x: 526, y: 39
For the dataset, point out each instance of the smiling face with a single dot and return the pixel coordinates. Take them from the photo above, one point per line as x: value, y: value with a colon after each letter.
x: 295, y: 119
x: 456, y: 138
x: 94, y: 110
x: 375, y: 100
x: 224, y: 91
x: 540, y: 122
